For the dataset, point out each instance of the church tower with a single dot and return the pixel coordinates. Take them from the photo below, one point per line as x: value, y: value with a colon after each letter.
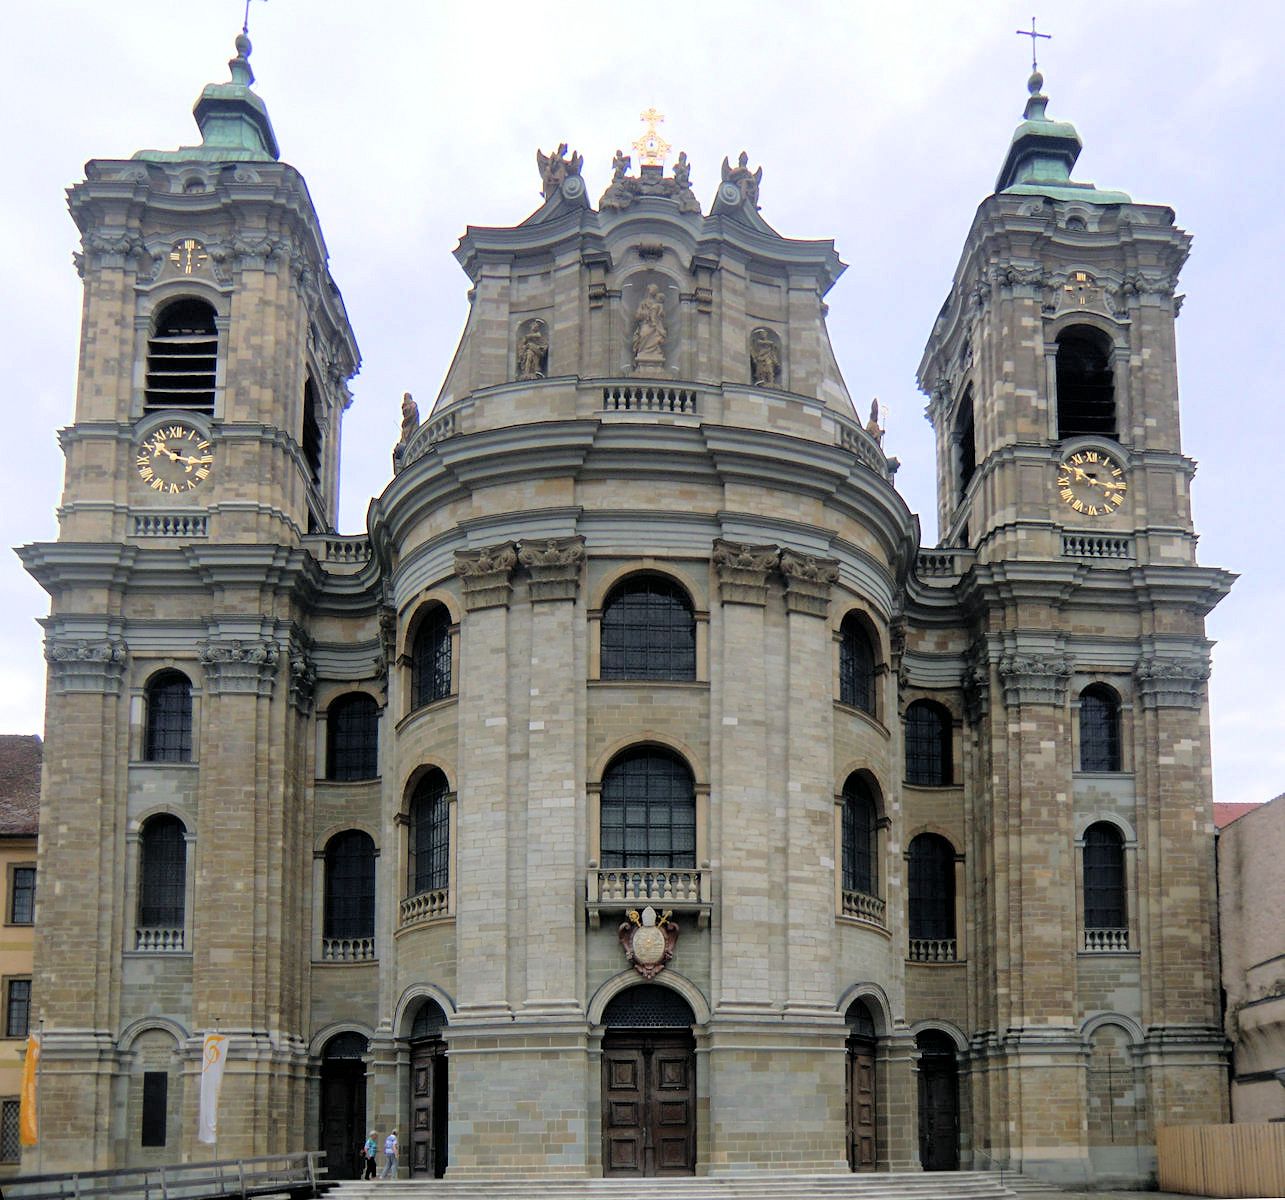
x: 214, y: 358
x: 1064, y: 497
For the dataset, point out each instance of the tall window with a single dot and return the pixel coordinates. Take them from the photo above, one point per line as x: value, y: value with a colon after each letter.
x: 648, y: 812
x: 648, y: 631
x: 1099, y: 729
x: 860, y: 847
x: 1104, y: 906
x: 311, y: 431
x: 17, y: 1008
x: 22, y: 897
x: 856, y: 665
x: 350, y: 886
x: 156, y: 1089
x: 182, y: 358
x: 966, y: 442
x: 428, y: 867
x: 430, y: 658
x: 928, y: 749
x: 1085, y: 385
x: 352, y: 737
x: 932, y: 894
x: 10, y: 1143
x: 169, y: 718
x: 163, y: 874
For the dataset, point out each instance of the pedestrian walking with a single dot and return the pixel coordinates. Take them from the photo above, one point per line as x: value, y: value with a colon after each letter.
x: 368, y: 1151
x: 390, y: 1156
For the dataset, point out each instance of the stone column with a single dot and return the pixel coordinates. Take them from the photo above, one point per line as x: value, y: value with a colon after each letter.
x: 78, y: 939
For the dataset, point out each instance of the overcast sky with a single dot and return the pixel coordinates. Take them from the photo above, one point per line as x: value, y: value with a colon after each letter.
x: 879, y: 125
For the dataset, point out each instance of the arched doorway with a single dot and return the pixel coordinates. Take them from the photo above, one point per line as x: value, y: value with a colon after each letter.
x: 343, y: 1104
x: 938, y: 1102
x: 428, y: 1093
x: 648, y: 1084
x: 862, y: 1145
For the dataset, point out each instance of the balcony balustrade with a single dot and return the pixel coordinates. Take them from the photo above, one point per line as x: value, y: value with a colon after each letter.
x: 933, y: 950
x: 1106, y: 941
x: 348, y: 949
x: 682, y: 889
x: 863, y: 907
x: 154, y: 940
x: 427, y: 906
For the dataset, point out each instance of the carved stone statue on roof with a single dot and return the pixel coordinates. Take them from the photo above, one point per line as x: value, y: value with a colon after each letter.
x: 555, y: 167
x: 742, y: 177
x: 873, y: 427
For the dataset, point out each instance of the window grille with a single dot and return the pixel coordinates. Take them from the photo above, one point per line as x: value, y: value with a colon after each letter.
x: 859, y: 1021
x: 648, y: 813
x: 928, y: 749
x: 860, y: 860
x: 350, y: 1045
x: 17, y: 1019
x: 169, y: 718
x: 932, y: 888
x: 10, y: 1144
x: 156, y: 1088
x: 856, y: 666
x: 648, y: 1006
x: 1104, y: 906
x: 1085, y: 386
x: 353, y: 738
x: 182, y: 358
x: 431, y: 658
x: 648, y: 631
x: 350, y: 886
x: 428, y: 867
x: 1099, y: 729
x: 429, y: 1022
x: 163, y: 874
x: 22, y: 902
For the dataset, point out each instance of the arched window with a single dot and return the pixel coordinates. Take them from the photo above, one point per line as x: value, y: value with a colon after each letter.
x: 182, y: 358
x: 648, y: 631
x: 856, y: 665
x: 932, y: 899
x: 168, y: 736
x: 350, y: 886
x: 311, y: 431
x: 352, y: 737
x: 965, y: 442
x: 648, y: 812
x: 1104, y: 902
x: 1085, y: 385
x: 162, y: 881
x: 860, y: 839
x: 928, y: 749
x: 428, y: 863
x: 430, y: 660
x: 1099, y: 729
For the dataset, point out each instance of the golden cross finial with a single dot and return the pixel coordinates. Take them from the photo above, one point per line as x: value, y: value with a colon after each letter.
x: 651, y: 147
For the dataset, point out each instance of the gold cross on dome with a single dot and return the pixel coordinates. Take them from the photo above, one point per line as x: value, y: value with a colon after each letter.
x: 651, y: 147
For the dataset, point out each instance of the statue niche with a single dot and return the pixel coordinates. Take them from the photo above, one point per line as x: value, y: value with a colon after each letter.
x: 765, y: 357
x: 649, y: 313
x: 532, y: 349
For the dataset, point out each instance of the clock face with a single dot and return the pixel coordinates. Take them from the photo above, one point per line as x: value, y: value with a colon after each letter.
x: 188, y: 255
x: 1091, y: 483
x: 174, y: 459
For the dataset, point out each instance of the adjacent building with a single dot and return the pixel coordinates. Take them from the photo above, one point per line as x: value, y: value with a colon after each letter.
x: 635, y: 795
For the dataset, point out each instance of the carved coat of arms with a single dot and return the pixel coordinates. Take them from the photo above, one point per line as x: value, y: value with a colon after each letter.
x: 648, y: 940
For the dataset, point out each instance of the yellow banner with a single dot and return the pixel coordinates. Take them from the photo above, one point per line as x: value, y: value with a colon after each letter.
x: 27, y: 1101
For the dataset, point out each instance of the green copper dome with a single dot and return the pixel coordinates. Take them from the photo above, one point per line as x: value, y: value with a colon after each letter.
x: 233, y: 121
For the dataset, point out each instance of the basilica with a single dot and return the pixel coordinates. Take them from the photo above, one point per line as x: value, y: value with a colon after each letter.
x: 636, y: 795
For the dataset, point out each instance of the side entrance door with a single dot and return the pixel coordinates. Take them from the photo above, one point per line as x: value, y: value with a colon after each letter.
x: 938, y: 1113
x: 648, y: 1103
x: 428, y: 1086
x: 343, y: 1116
x: 862, y: 1152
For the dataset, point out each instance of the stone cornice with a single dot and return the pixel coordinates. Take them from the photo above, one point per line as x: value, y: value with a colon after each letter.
x: 1034, y: 678
x: 808, y: 580
x: 85, y: 664
x: 486, y: 574
x: 743, y: 571
x: 1172, y: 682
x: 234, y: 666
x: 554, y: 566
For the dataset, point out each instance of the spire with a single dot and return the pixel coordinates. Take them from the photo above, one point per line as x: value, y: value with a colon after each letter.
x: 1042, y: 154
x: 233, y: 121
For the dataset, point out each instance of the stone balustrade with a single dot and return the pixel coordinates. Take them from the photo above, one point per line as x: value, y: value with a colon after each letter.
x: 862, y: 907
x: 427, y: 906
x: 170, y: 525
x: 158, y: 940
x: 348, y: 949
x: 1106, y: 941
x: 649, y: 397
x: 1096, y: 545
x: 933, y: 950
x: 620, y: 888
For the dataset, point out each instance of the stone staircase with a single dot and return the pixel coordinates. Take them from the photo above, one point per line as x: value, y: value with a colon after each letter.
x: 945, y: 1185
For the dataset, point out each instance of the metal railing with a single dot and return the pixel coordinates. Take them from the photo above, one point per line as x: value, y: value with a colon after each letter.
x: 301, y: 1174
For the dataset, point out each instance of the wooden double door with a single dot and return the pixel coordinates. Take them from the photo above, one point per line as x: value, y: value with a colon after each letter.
x: 938, y: 1113
x: 428, y: 1094
x: 862, y: 1146
x: 343, y: 1116
x: 648, y: 1102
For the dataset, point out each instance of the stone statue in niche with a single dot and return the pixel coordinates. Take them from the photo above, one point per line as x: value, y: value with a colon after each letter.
x: 533, y: 350
x: 649, y: 329
x: 555, y: 167
x: 765, y: 358
x: 873, y: 428
x: 742, y: 177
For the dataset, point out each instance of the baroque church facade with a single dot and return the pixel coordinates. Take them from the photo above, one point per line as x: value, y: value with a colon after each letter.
x: 636, y: 796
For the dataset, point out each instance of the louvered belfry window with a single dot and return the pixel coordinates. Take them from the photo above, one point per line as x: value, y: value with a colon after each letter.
x: 182, y: 358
